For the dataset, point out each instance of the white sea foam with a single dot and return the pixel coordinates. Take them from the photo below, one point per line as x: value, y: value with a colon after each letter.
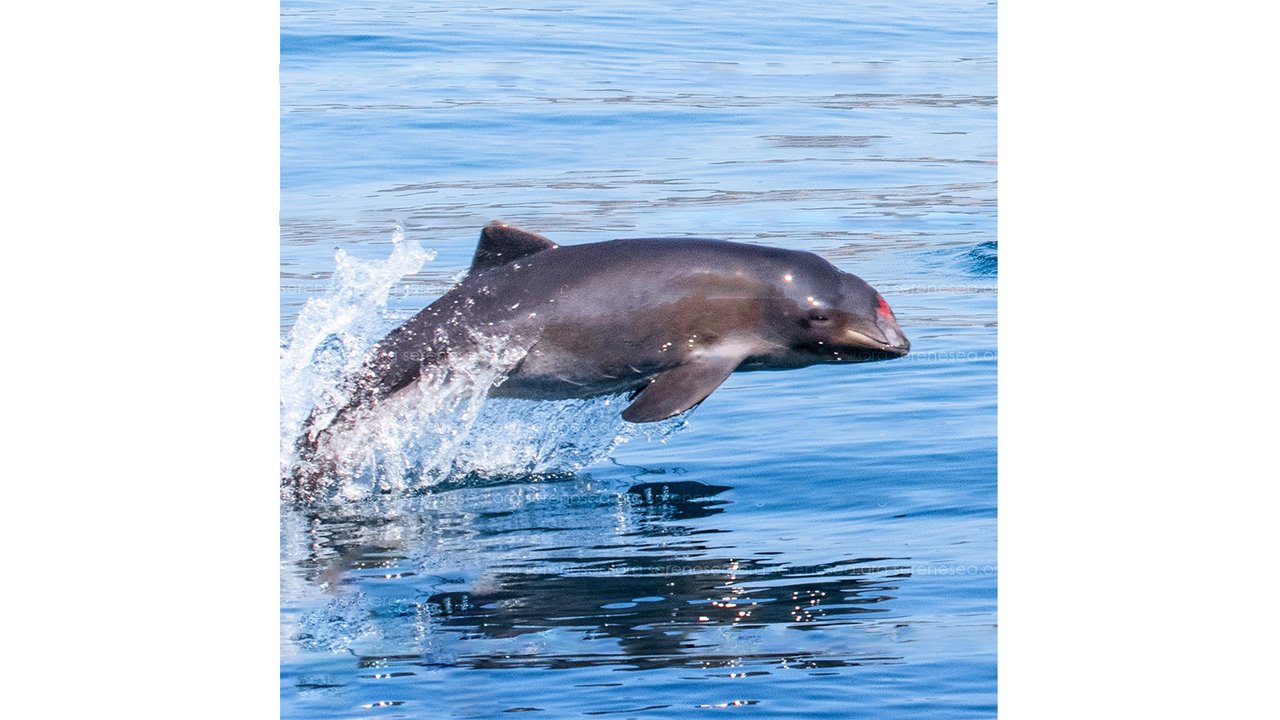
x: 444, y: 426
x: 333, y: 332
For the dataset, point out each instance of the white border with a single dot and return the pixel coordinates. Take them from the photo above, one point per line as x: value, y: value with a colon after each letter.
x: 141, y: 194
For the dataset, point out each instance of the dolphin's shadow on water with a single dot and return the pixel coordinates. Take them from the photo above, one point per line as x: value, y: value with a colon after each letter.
x: 562, y: 575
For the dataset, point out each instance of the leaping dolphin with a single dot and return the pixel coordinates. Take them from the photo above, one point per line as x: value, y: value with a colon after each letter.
x: 667, y: 320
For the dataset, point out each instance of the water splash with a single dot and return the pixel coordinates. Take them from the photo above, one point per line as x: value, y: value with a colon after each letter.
x: 530, y: 437
x: 334, y: 331
x: 442, y: 428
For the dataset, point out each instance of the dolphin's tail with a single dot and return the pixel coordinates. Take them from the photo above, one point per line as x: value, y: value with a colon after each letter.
x: 392, y: 365
x: 307, y: 477
x: 312, y: 469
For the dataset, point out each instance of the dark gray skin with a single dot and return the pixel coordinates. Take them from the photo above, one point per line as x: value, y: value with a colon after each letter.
x: 665, y: 319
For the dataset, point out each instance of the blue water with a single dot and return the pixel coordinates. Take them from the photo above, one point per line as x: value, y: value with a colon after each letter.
x: 811, y: 543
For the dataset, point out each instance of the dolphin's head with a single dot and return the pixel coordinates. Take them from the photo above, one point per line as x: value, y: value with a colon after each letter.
x: 837, y: 317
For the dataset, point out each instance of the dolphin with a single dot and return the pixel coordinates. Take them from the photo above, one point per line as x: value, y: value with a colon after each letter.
x: 664, y: 319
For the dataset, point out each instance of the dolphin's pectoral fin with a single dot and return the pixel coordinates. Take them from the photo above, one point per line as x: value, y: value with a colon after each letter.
x: 501, y: 243
x: 680, y: 388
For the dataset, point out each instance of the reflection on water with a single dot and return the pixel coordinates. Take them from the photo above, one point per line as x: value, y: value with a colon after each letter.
x: 572, y: 579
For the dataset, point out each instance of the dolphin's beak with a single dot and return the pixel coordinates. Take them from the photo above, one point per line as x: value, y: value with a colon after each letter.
x: 888, y: 338
x: 896, y: 341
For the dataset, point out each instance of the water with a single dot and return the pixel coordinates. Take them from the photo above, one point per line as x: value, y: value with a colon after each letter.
x: 810, y: 543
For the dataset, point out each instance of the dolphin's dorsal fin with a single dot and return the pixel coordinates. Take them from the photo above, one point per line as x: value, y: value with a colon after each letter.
x: 501, y: 243
x: 681, y: 388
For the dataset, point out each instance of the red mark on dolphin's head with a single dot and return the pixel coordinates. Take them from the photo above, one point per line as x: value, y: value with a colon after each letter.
x: 883, y: 309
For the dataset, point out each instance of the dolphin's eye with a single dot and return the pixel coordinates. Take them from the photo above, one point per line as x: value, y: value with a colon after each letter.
x: 819, y: 317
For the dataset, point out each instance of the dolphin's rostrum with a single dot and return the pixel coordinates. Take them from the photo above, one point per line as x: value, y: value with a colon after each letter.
x: 667, y: 320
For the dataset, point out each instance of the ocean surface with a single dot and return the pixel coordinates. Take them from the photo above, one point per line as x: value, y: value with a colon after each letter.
x: 809, y: 543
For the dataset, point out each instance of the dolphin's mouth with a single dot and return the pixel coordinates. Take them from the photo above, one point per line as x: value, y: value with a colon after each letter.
x: 892, y: 347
